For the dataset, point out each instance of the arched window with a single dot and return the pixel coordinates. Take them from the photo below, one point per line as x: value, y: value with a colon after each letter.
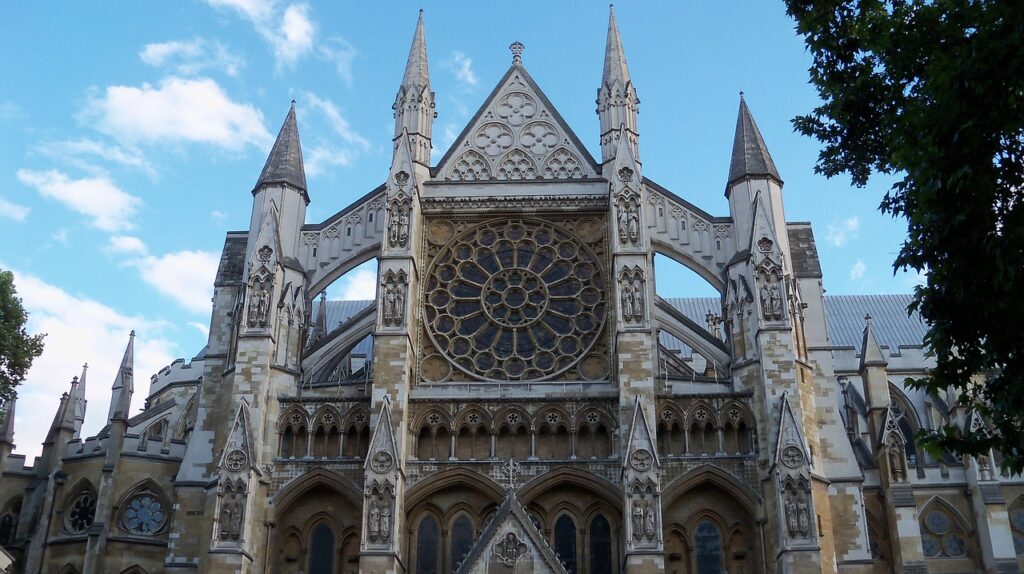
x: 462, y: 539
x: 600, y: 546
x: 1017, y: 525
x: 941, y: 534
x: 427, y: 539
x: 565, y: 542
x: 708, y: 541
x: 321, y: 550
x: 8, y: 524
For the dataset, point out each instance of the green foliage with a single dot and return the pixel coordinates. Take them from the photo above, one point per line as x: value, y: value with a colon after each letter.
x: 17, y: 347
x: 932, y: 91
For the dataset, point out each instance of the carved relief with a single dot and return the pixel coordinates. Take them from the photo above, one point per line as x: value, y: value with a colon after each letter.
x: 628, y: 217
x: 563, y: 164
x: 897, y: 459
x: 398, y: 221
x: 471, y: 166
x: 515, y: 166
x: 393, y: 288
x: 643, y: 513
x: 493, y: 139
x: 516, y: 108
x: 259, y: 301
x: 232, y: 511
x: 796, y: 509
x: 380, y: 511
x: 771, y: 292
x: 631, y: 294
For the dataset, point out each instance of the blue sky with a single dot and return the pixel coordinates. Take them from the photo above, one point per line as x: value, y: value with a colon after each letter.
x: 134, y: 132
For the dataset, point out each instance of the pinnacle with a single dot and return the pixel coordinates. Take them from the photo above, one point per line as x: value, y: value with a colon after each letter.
x: 750, y: 155
x: 417, y: 72
x: 284, y: 164
x: 615, y: 67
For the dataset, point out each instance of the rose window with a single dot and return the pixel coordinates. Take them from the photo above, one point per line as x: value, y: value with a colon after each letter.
x: 83, y: 512
x: 144, y: 515
x: 513, y: 300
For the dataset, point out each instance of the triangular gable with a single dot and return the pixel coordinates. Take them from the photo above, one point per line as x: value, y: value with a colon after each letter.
x: 640, y: 439
x: 511, y: 543
x: 267, y: 249
x: 516, y: 135
x: 382, y: 441
x: 790, y: 435
x: 239, y: 439
x: 764, y: 244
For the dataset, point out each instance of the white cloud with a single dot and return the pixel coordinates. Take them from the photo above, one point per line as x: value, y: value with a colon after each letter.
x: 839, y: 233
x: 361, y: 285
x: 858, y: 269
x: 126, y: 244
x: 201, y: 327
x: 218, y: 215
x: 190, y: 57
x: 290, y: 33
x: 462, y: 66
x: 178, y: 110
x: 12, y: 210
x: 80, y: 330
x: 184, y: 276
x: 11, y: 111
x: 98, y: 198
x: 319, y: 160
x: 341, y: 53
x: 335, y: 119
x: 60, y: 236
x: 71, y: 151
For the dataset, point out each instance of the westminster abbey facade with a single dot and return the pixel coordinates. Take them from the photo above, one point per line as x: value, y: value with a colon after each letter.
x: 519, y: 398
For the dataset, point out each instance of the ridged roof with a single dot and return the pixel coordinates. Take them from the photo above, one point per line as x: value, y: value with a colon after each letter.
x: 750, y: 155
x: 284, y: 164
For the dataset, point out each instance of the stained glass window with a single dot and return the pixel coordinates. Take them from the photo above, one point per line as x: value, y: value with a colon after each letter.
x: 708, y: 548
x: 462, y: 539
x: 82, y: 513
x: 941, y: 536
x: 565, y: 542
x: 426, y: 546
x: 321, y: 550
x: 144, y: 515
x: 600, y: 546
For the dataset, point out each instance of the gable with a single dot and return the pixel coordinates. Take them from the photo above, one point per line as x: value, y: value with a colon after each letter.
x: 516, y: 135
x: 511, y: 543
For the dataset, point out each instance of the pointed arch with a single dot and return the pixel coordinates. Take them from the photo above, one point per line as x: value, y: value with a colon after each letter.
x: 605, y: 490
x: 136, y: 569
x: 423, y: 489
x: 945, y: 532
x: 295, y: 488
x: 68, y: 569
x: 716, y: 476
x: 144, y: 509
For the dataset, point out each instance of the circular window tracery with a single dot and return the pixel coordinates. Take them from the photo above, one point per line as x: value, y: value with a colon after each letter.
x: 513, y: 300
x: 82, y: 513
x: 144, y: 515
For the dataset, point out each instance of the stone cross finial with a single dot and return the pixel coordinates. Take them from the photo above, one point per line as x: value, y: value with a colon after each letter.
x: 510, y: 471
x: 517, y: 48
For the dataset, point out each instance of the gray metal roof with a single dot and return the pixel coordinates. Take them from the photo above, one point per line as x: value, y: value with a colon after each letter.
x: 892, y: 326
x: 340, y: 311
x: 284, y: 164
x: 750, y: 155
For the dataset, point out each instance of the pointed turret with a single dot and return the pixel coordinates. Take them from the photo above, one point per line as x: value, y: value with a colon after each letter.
x: 64, y: 419
x: 124, y: 386
x: 7, y: 426
x: 284, y: 164
x: 617, y: 102
x: 872, y: 371
x: 750, y: 157
x: 78, y: 394
x: 414, y: 103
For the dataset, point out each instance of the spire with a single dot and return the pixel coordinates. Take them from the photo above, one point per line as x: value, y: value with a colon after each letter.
x: 414, y: 103
x: 750, y: 157
x: 284, y: 164
x: 417, y: 73
x: 121, y: 392
x: 7, y: 423
x: 617, y: 102
x: 78, y: 395
x: 614, y: 57
x: 870, y: 351
x: 64, y: 419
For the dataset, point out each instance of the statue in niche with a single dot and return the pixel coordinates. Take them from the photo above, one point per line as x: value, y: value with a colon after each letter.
x: 627, y: 303
x: 896, y: 460
x: 791, y: 519
x: 638, y: 520
x: 394, y: 301
x: 634, y: 225
x: 623, y: 225
x: 984, y: 471
x: 649, y: 522
x: 803, y: 517
x: 231, y: 516
x: 259, y: 305
x: 398, y: 225
x: 374, y: 520
x: 385, y: 522
x: 638, y: 303
x: 775, y: 301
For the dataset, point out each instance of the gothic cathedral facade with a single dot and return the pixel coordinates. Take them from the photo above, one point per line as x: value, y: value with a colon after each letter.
x: 519, y: 398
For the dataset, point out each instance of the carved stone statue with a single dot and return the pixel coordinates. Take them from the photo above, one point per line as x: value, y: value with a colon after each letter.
x: 385, y: 522
x: 393, y: 226
x: 896, y: 462
x: 403, y: 228
x: 374, y: 520
x: 627, y: 303
x: 634, y: 225
x: 984, y: 470
x: 650, y: 518
x: 623, y: 224
x: 389, y: 305
x: 791, y: 520
x: 775, y: 301
x: 231, y: 516
x: 803, y: 518
x: 638, y: 303
x: 765, y: 304
x: 638, y: 521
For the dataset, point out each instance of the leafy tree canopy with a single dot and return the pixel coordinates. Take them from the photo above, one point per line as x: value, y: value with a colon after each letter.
x: 932, y: 92
x: 17, y: 347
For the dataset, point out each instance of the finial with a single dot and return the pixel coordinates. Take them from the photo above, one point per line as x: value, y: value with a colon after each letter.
x: 517, y: 48
x: 74, y: 380
x: 510, y: 471
x: 293, y: 102
x: 741, y: 94
x: 132, y: 334
x: 868, y: 318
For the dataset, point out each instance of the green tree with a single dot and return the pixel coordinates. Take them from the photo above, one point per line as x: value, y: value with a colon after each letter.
x: 932, y: 92
x: 17, y: 347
